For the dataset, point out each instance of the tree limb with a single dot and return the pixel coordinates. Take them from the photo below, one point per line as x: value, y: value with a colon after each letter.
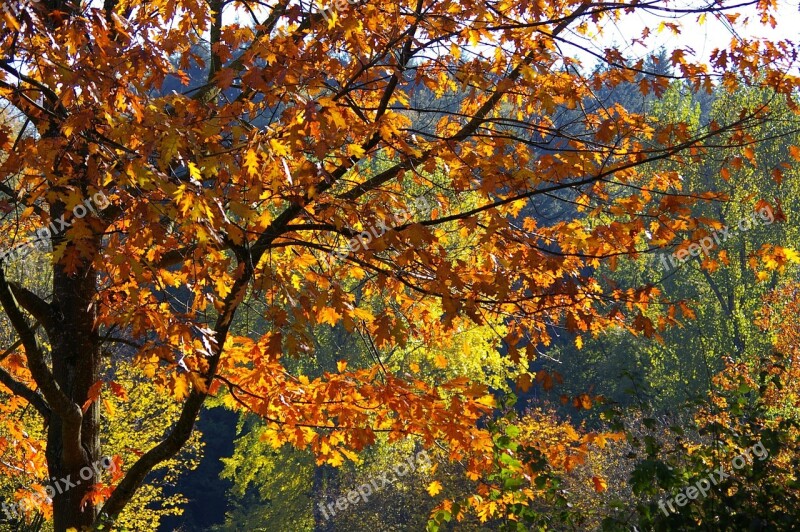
x: 35, y: 305
x: 20, y: 390
x: 68, y: 411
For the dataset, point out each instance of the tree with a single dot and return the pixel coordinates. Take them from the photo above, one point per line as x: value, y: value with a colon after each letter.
x: 749, y: 427
x: 301, y: 143
x: 722, y: 287
x: 134, y: 414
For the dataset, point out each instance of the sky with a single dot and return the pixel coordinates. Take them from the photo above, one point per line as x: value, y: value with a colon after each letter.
x: 702, y: 38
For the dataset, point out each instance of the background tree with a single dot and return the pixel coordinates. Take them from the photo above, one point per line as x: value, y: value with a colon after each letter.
x: 720, y: 290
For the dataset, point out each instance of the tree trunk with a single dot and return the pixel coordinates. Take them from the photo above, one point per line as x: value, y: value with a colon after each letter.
x: 325, y: 482
x: 76, y: 366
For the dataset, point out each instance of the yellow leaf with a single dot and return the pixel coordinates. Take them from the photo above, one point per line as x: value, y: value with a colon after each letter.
x: 791, y: 255
x: 414, y: 367
x: 332, y: 18
x: 486, y: 400
x: 279, y: 148
x: 11, y: 22
x: 363, y: 314
x: 328, y: 315
x: 440, y: 361
x: 455, y: 51
x: 251, y: 162
x: 341, y: 365
x: 434, y: 488
x: 194, y: 172
x: 355, y: 149
x: 350, y: 455
x: 336, y: 459
x: 337, y: 118
x: 223, y: 286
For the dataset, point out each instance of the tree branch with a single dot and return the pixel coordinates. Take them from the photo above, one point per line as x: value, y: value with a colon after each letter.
x: 35, y: 305
x: 470, y: 127
x: 20, y: 390
x: 69, y: 412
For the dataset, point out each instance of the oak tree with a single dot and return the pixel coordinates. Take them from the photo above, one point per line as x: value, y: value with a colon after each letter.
x: 294, y: 169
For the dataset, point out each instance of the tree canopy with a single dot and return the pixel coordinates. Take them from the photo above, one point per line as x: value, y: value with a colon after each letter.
x: 360, y: 226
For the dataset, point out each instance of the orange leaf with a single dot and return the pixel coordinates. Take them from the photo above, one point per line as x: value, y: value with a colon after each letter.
x: 524, y: 382
x: 109, y: 408
x: 328, y: 315
x: 600, y: 484
x: 93, y: 394
x: 118, y: 390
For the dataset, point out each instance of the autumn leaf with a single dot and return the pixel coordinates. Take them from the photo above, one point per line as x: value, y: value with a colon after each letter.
x: 600, y: 484
x: 434, y: 488
x: 524, y: 382
x: 119, y: 390
x: 109, y: 408
x: 328, y: 315
x: 336, y: 459
x: 92, y: 395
